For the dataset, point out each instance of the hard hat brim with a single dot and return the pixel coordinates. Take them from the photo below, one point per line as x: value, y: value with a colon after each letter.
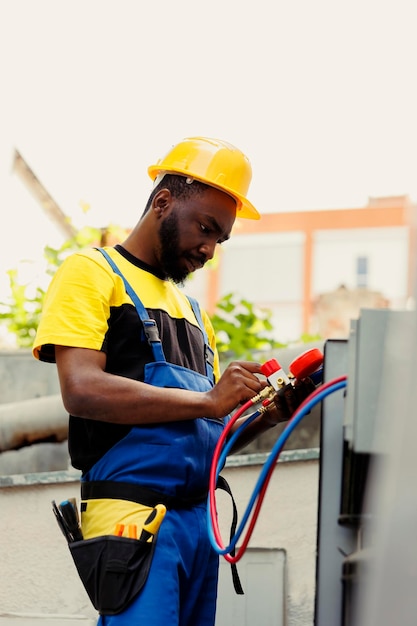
x: 245, y: 209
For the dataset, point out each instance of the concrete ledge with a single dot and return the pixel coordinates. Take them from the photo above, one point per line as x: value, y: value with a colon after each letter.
x: 41, y: 478
x: 240, y: 460
x: 26, y: 619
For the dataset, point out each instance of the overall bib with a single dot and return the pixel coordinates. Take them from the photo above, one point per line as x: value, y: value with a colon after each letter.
x: 168, y: 463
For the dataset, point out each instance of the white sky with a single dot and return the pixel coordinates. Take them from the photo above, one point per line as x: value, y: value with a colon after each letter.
x: 320, y: 94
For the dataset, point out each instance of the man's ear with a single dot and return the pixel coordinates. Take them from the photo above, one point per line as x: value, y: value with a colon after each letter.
x: 162, y: 202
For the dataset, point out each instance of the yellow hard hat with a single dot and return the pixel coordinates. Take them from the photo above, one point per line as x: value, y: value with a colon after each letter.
x: 213, y: 162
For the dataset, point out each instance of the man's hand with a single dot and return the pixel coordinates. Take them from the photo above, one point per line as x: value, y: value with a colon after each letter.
x: 287, y: 400
x: 238, y: 383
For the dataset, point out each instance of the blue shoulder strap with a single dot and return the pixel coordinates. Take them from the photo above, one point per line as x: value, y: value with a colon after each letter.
x: 208, y: 352
x: 149, y: 325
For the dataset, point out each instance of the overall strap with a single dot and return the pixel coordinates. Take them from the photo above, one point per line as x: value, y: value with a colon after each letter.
x: 149, y: 325
x: 208, y: 352
x: 223, y: 484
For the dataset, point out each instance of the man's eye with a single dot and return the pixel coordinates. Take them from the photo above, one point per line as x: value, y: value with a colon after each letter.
x: 204, y: 229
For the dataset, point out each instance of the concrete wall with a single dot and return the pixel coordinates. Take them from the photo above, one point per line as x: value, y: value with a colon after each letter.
x: 23, y: 377
x: 38, y: 576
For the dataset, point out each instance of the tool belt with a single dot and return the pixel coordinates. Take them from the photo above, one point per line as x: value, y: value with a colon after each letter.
x: 148, y: 497
x: 112, y: 569
x: 98, y: 489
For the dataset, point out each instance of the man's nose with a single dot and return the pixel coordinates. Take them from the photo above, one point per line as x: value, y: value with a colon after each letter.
x: 208, y: 249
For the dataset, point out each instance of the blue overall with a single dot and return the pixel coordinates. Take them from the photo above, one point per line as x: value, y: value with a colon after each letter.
x: 174, y: 459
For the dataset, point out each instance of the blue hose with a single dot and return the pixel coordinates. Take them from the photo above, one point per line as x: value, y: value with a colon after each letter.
x: 276, y: 450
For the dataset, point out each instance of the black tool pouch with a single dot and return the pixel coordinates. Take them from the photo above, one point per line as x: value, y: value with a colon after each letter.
x: 112, y: 569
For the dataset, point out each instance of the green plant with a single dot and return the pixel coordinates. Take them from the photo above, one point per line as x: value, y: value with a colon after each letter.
x: 22, y: 313
x: 242, y: 329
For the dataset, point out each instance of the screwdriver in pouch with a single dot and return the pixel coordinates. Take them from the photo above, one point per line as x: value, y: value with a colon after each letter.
x: 61, y: 522
x: 70, y: 516
x: 153, y: 522
x: 74, y: 504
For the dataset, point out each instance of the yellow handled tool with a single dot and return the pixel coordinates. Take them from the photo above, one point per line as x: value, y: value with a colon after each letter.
x: 153, y: 522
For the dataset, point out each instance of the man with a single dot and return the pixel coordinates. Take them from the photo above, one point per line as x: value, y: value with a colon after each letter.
x: 141, y: 380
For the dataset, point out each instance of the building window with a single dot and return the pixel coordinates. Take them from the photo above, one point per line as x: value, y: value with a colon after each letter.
x: 362, y: 271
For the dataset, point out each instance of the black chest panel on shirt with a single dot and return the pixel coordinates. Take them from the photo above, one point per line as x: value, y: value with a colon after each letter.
x: 128, y: 350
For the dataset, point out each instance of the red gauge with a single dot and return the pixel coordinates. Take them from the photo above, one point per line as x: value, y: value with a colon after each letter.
x: 307, y: 363
x: 270, y: 367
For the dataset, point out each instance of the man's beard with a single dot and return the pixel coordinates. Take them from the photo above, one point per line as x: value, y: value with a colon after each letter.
x: 170, y: 254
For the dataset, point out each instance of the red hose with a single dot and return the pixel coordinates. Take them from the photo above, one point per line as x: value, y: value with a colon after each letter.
x: 259, y: 501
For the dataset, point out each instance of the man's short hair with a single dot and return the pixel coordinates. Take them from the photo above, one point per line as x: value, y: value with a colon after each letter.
x: 179, y: 188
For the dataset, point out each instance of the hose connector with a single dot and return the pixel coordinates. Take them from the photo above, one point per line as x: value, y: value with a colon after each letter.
x: 266, y: 392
